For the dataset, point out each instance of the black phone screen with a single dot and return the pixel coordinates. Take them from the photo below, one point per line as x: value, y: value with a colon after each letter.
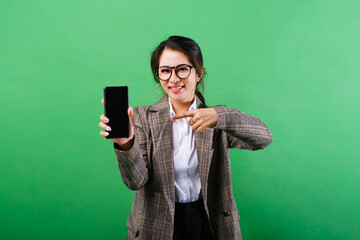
x: 116, y: 104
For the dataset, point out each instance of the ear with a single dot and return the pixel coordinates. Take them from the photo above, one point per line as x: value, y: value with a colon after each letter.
x: 199, y: 76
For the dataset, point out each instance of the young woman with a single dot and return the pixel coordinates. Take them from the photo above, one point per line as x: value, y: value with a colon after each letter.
x: 177, y: 159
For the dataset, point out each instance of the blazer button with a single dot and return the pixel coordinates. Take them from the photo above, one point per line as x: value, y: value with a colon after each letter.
x: 226, y: 213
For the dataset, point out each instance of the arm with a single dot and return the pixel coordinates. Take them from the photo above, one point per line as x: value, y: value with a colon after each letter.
x: 244, y: 131
x: 133, y: 163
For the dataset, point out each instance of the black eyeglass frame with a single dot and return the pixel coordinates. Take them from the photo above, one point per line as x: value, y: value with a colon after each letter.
x: 171, y: 68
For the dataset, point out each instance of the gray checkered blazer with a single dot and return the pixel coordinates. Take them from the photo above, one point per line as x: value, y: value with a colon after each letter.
x: 148, y: 169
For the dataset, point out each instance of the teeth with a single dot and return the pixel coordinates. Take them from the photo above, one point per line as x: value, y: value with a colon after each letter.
x: 177, y: 87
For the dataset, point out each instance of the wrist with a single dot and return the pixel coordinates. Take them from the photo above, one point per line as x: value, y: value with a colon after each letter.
x: 125, y: 146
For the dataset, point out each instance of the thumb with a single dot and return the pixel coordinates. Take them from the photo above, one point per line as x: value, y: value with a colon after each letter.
x: 131, y: 120
x: 131, y: 116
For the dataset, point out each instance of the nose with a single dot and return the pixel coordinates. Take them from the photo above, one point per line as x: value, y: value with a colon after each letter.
x: 174, y: 78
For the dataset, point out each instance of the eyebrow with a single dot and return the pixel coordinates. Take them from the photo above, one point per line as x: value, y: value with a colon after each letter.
x: 176, y: 65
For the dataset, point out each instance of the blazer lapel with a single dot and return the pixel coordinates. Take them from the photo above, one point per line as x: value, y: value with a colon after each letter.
x: 161, y: 130
x: 204, y: 148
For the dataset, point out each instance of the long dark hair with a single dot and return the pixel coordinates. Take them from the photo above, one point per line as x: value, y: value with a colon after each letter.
x: 187, y: 46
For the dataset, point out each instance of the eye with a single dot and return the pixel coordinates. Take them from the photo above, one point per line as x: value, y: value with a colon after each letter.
x: 164, y: 70
x: 183, y: 68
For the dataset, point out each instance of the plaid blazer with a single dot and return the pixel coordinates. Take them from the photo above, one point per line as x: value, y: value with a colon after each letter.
x: 148, y: 169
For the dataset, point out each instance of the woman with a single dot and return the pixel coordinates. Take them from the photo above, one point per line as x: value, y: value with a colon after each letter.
x: 177, y: 159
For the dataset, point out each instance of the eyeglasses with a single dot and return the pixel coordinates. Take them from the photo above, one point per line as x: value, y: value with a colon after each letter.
x: 182, y: 71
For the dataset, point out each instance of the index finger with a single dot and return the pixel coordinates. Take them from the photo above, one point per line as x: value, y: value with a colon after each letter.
x: 183, y: 115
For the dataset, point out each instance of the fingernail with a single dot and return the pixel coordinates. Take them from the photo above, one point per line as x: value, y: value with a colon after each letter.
x: 106, y: 134
x: 108, y: 129
x: 107, y: 120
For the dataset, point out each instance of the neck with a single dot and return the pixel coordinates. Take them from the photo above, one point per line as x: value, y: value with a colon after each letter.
x: 181, y: 107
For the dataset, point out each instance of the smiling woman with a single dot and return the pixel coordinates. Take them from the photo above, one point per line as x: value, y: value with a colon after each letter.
x: 177, y: 159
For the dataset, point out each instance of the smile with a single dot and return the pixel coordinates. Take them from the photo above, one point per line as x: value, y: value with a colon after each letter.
x: 176, y: 88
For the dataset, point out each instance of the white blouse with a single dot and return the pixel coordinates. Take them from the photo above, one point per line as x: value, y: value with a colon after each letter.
x: 186, y: 170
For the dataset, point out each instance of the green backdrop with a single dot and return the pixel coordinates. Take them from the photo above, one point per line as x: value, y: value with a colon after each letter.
x: 293, y: 64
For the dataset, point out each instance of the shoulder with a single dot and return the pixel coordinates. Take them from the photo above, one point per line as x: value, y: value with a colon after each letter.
x: 144, y: 110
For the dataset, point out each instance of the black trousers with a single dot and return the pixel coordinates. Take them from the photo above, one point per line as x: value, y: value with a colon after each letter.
x: 191, y: 222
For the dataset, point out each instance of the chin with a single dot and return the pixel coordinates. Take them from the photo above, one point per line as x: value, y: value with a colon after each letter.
x: 181, y: 98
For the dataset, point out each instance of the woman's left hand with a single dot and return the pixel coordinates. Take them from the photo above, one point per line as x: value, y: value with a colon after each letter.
x: 201, y: 118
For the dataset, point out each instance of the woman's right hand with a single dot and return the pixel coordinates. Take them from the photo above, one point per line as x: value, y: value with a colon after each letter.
x: 124, y: 143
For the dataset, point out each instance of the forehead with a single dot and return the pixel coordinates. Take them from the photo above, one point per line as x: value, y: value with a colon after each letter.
x: 170, y: 57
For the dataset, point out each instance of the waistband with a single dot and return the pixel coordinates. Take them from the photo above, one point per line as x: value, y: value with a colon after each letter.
x: 196, y: 204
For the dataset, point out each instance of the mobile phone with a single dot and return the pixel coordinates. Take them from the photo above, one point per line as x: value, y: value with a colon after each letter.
x: 116, y: 103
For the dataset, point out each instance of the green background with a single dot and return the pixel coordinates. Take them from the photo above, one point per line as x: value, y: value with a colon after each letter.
x: 293, y: 64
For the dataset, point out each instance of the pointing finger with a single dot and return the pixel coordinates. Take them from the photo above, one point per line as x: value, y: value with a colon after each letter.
x: 183, y: 115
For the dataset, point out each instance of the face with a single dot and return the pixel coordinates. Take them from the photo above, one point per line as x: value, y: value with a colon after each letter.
x: 179, y: 90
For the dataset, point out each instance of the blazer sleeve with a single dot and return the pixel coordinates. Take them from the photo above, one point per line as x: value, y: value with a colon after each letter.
x: 243, y: 130
x: 133, y: 164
